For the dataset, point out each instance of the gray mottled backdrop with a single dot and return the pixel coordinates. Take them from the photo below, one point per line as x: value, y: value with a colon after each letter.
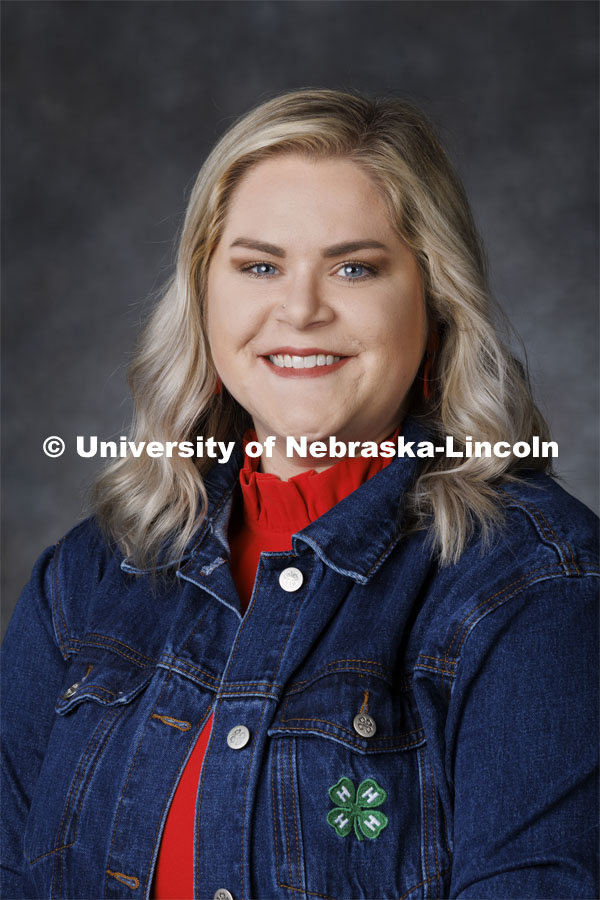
x: 109, y: 110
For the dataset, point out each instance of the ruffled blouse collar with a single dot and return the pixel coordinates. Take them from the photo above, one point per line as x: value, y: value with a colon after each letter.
x: 275, y: 506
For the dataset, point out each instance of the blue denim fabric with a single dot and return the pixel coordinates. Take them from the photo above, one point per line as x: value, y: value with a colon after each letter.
x: 480, y: 678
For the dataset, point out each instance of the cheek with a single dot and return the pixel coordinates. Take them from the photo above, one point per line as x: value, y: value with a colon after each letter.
x: 401, y: 335
x: 217, y: 334
x: 223, y: 317
x: 230, y: 339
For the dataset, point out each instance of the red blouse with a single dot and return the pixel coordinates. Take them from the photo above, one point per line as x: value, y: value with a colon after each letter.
x: 267, y: 513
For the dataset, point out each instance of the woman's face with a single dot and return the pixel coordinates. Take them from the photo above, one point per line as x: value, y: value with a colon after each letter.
x: 316, y: 314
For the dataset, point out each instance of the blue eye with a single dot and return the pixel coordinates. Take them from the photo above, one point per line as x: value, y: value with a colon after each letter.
x: 350, y: 269
x: 262, y: 269
x: 356, y: 271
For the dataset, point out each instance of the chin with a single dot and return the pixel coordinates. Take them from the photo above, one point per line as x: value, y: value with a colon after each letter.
x: 313, y: 431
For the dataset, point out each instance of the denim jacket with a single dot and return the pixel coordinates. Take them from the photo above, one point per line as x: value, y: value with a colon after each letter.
x: 409, y: 730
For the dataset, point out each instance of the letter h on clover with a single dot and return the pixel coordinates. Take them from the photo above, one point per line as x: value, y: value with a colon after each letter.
x: 356, y: 808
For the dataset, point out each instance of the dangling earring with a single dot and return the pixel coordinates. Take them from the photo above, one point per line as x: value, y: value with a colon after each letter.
x: 218, y: 386
x: 433, y: 344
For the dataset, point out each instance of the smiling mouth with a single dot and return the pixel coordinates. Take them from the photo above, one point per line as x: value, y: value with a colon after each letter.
x: 316, y: 360
x: 305, y: 363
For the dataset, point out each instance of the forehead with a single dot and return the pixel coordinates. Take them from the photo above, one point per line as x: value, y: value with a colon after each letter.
x: 287, y: 191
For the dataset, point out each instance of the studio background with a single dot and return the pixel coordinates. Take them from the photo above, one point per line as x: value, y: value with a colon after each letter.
x: 109, y: 109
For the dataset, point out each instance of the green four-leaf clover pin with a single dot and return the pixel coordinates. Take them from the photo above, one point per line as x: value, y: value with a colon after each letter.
x: 357, y: 808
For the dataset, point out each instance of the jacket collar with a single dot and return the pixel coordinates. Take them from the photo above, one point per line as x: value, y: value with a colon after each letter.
x: 354, y: 538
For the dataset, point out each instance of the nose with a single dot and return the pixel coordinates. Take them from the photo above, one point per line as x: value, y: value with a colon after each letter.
x: 303, y: 305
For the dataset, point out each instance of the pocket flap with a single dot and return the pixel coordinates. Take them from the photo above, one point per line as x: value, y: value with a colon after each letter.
x: 104, y: 678
x: 345, y: 707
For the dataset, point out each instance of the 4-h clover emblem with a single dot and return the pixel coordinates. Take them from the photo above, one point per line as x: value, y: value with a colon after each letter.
x: 357, y: 808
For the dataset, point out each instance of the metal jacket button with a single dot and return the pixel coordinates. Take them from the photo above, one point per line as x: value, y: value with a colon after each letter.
x: 364, y: 725
x: 222, y: 894
x: 291, y: 579
x: 237, y: 738
x: 70, y: 691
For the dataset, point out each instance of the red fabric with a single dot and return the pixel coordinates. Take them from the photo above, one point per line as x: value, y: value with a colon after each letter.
x: 174, y: 875
x: 269, y: 511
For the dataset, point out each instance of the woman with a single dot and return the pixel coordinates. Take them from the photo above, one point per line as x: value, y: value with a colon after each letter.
x: 295, y: 676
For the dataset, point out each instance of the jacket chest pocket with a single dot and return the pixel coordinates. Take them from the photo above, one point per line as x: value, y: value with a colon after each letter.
x: 355, y: 812
x: 99, y: 690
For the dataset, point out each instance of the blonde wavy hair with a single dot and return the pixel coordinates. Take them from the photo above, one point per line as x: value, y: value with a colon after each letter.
x: 151, y: 507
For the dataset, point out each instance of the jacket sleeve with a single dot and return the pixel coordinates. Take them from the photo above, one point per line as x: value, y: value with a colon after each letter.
x: 33, y: 669
x: 523, y: 752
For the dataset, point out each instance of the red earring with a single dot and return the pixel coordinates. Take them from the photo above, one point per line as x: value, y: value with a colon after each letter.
x: 218, y: 385
x: 433, y: 344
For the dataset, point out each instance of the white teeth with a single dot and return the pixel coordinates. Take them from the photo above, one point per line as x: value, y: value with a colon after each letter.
x: 284, y: 360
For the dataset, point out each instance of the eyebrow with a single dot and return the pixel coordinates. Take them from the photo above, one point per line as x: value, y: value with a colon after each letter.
x: 326, y: 253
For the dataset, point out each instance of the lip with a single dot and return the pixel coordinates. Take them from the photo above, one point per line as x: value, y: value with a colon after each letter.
x: 315, y: 372
x: 301, y: 351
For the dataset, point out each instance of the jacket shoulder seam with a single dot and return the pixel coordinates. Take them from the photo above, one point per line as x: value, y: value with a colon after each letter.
x: 468, y: 623
x: 562, y: 547
x: 58, y: 616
